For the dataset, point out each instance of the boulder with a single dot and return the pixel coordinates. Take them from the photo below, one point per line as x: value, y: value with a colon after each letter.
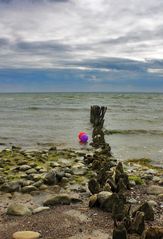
x: 103, y: 196
x: 56, y: 200
x: 28, y: 189
x: 10, y: 187
x: 107, y: 205
x: 16, y: 209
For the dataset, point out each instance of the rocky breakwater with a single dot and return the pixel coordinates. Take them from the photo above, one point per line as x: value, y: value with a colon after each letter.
x: 131, y: 192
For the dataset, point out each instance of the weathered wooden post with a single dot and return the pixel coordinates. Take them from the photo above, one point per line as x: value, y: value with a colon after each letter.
x: 97, y: 114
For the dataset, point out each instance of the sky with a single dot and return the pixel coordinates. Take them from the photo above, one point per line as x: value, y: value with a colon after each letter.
x: 81, y: 45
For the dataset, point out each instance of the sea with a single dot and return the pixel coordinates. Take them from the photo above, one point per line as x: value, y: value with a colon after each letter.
x: 133, y: 122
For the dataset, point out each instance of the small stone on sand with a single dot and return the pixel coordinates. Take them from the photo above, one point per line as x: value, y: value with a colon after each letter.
x: 26, y: 235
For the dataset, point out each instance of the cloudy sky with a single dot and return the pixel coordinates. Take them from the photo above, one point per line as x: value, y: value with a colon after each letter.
x: 81, y: 45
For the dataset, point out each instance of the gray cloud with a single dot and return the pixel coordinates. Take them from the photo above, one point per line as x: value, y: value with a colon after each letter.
x: 70, y: 33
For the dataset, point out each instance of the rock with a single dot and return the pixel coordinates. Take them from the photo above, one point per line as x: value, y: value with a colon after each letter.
x: 2, y: 180
x: 28, y: 189
x: 16, y: 209
x: 59, y: 176
x: 26, y: 235
x: 93, y: 186
x: 38, y: 168
x: 151, y: 171
x: 132, y: 201
x: 107, y: 205
x: 43, y: 187
x: 153, y: 233
x: 38, y: 183
x: 160, y: 196
x: 138, y: 224
x: 53, y: 149
x: 103, y: 196
x: 161, y: 182
x: 80, y: 171
x: 40, y: 209
x: 31, y: 171
x: 50, y: 178
x: 132, y: 183
x: 36, y: 177
x: 68, y: 175
x: 148, y: 211
x: 24, y: 167
x: 56, y: 200
x: 10, y: 187
x: 147, y: 176
x: 26, y: 182
x: 54, y: 164
x: 42, y: 170
x: 155, y: 190
x: 152, y: 203
x: 156, y: 179
x: 93, y: 200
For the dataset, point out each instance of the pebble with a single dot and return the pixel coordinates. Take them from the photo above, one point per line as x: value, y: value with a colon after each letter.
x: 132, y: 183
x: 132, y: 201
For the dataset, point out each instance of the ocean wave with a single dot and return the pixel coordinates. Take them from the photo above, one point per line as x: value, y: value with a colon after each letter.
x: 133, y: 131
x: 58, y: 109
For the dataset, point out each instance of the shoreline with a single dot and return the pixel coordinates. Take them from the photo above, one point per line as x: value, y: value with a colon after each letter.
x: 27, y: 183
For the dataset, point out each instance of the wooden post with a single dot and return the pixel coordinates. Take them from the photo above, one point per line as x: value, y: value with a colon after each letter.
x: 97, y: 114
